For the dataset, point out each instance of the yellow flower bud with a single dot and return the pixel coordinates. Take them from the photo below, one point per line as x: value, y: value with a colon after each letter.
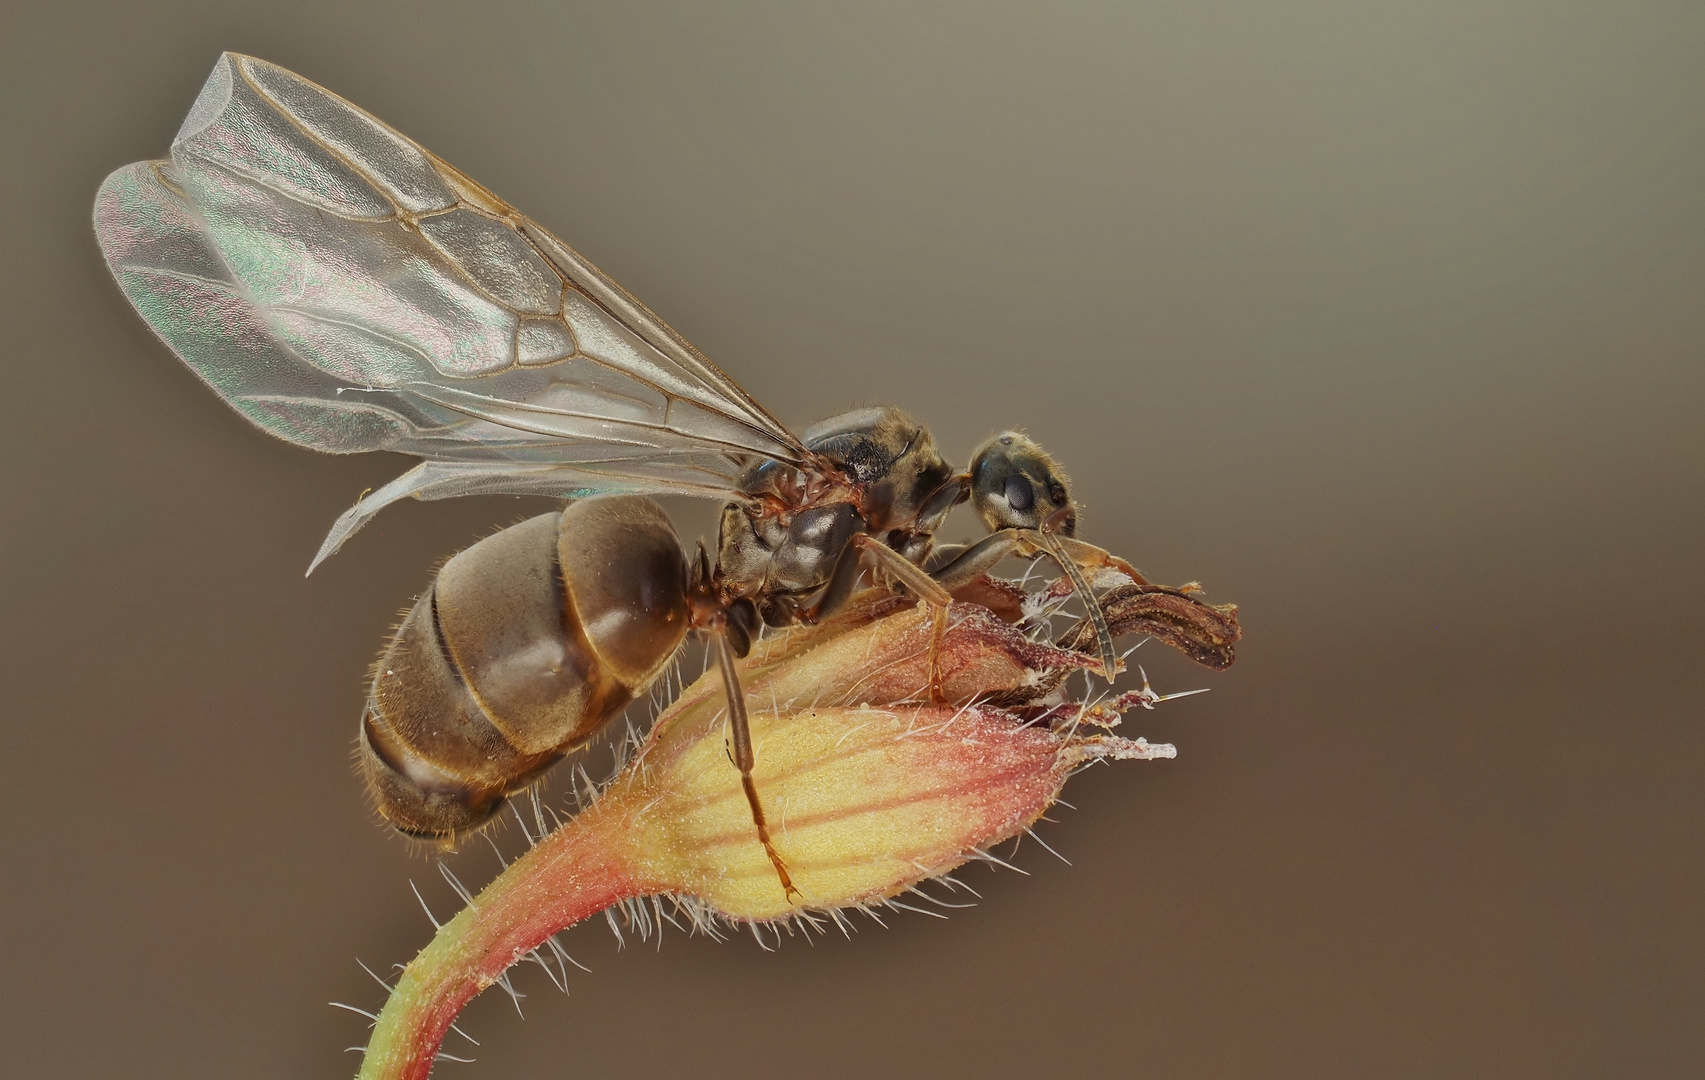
x: 867, y: 792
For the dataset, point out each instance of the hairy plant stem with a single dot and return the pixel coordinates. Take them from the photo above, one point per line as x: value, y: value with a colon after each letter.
x: 576, y: 871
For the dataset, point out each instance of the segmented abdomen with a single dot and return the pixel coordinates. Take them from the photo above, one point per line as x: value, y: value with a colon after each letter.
x: 527, y: 643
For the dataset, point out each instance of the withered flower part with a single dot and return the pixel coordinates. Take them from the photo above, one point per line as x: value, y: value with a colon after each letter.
x: 869, y: 789
x: 1204, y: 632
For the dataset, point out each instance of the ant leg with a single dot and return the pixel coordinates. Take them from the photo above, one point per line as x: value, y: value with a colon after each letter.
x: 925, y: 588
x: 1070, y: 554
x: 740, y: 732
x: 960, y: 565
x: 979, y: 558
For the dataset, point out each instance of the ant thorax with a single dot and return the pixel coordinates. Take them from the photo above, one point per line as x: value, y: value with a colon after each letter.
x: 778, y: 543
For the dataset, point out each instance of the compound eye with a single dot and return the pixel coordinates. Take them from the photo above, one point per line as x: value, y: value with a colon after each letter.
x: 1019, y: 494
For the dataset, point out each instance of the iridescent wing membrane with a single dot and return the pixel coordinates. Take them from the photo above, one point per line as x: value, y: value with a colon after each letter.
x: 346, y: 290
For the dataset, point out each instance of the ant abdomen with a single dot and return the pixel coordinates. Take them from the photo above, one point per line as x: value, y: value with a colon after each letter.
x: 527, y: 643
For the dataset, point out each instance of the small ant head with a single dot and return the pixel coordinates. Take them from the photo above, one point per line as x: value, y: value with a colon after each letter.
x: 1016, y: 485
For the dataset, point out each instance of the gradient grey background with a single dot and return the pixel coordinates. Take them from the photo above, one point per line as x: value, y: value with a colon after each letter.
x: 1386, y: 321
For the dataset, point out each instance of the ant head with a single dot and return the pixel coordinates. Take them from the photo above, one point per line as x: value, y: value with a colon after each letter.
x: 1016, y: 485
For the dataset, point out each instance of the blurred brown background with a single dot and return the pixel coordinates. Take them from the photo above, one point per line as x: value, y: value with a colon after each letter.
x: 1385, y: 321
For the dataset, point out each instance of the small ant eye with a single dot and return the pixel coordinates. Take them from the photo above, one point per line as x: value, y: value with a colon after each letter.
x: 1019, y: 495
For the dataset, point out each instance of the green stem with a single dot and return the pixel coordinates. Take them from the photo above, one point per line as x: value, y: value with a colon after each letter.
x: 576, y: 871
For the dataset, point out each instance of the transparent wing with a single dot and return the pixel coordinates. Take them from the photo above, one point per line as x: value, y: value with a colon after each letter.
x: 346, y: 290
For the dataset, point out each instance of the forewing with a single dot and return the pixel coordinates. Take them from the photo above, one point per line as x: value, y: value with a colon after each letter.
x: 346, y: 290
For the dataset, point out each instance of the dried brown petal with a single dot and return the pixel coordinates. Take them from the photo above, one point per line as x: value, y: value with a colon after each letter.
x: 1204, y: 632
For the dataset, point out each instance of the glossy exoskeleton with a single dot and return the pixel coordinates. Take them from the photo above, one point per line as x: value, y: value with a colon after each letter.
x: 526, y: 644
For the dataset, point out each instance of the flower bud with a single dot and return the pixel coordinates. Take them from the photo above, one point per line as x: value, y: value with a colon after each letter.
x: 867, y: 787
x: 867, y: 790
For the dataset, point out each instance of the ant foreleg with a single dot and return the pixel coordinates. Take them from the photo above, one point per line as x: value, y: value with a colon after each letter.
x: 960, y: 565
x: 926, y: 589
x: 740, y: 736
x: 1073, y: 556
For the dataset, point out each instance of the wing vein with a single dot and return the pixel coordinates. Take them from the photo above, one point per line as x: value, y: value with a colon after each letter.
x: 472, y: 409
x: 283, y: 110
